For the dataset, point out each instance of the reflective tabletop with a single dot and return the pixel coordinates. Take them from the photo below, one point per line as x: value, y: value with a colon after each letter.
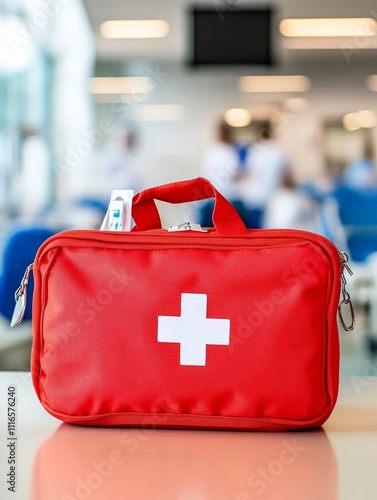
x: 64, y: 462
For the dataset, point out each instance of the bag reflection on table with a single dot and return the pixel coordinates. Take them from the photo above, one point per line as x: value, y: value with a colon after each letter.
x: 102, y: 463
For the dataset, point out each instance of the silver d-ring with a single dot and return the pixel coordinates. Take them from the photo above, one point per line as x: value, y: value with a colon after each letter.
x: 350, y: 327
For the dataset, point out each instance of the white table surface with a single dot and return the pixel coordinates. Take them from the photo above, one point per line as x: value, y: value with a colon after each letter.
x: 62, y: 462
x: 9, y: 337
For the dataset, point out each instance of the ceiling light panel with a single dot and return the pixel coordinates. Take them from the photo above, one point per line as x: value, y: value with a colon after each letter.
x: 237, y: 117
x: 372, y: 83
x: 160, y: 113
x: 274, y: 83
x: 121, y: 85
x: 153, y: 28
x: 328, y: 27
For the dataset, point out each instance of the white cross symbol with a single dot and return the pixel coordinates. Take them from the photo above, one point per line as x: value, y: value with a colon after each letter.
x: 193, y: 330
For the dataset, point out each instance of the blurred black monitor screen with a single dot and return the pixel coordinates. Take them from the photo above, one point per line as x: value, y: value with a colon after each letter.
x: 222, y: 36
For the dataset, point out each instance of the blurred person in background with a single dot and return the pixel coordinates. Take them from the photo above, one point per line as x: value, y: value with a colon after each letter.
x: 362, y: 172
x: 267, y: 163
x: 113, y: 165
x: 116, y: 166
x: 31, y: 188
x: 121, y: 162
x: 222, y: 163
x: 290, y: 208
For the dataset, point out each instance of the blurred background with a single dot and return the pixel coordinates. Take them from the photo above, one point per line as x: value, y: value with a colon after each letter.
x: 273, y: 101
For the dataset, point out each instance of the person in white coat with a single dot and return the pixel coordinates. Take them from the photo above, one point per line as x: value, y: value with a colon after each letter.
x: 221, y: 163
x: 267, y: 163
x: 290, y: 208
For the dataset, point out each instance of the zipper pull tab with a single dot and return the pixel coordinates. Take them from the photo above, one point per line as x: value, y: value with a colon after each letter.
x: 346, y: 299
x: 20, y: 298
x: 187, y: 226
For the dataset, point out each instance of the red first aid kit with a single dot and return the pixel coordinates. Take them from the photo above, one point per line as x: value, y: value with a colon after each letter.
x: 224, y: 328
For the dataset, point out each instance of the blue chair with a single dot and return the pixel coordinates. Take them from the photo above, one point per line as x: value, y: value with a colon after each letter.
x: 19, y: 250
x: 358, y: 215
x: 93, y: 203
x: 251, y: 218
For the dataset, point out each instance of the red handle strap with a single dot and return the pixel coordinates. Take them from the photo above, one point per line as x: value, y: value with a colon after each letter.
x: 145, y: 214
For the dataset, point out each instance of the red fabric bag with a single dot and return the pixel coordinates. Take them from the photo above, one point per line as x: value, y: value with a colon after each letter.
x: 230, y: 328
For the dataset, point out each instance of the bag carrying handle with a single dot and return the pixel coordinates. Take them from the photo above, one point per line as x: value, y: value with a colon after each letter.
x: 145, y: 214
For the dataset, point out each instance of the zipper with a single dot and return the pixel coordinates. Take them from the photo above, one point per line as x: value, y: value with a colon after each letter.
x: 21, y: 292
x: 346, y: 299
x: 187, y: 226
x: 166, y: 237
x: 20, y: 297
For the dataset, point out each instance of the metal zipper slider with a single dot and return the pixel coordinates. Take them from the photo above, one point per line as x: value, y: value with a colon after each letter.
x: 20, y: 298
x: 187, y: 226
x: 346, y: 299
